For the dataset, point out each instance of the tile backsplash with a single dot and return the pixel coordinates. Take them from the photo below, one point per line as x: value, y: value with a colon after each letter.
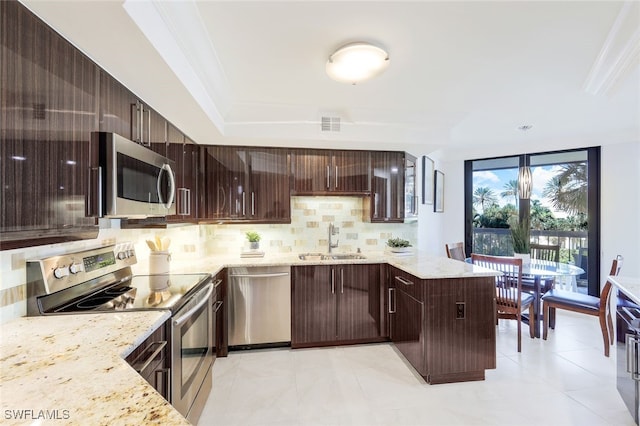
x: 308, y: 232
x: 309, y: 229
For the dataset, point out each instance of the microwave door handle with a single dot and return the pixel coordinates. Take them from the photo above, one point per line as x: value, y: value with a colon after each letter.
x: 172, y: 185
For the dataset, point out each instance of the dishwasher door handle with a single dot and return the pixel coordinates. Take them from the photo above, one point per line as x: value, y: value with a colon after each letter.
x: 275, y: 274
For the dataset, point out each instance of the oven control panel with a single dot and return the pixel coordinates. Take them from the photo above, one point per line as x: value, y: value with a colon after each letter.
x: 59, y: 272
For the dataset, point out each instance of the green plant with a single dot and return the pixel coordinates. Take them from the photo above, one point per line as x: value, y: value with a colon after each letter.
x: 253, y: 236
x: 398, y: 242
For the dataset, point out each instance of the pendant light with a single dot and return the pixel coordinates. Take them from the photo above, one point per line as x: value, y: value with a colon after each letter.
x: 525, y: 182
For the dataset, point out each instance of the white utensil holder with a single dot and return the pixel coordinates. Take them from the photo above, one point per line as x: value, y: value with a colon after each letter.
x: 159, y: 262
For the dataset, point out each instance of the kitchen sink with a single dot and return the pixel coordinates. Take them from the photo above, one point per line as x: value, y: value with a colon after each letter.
x: 330, y: 256
x: 346, y: 256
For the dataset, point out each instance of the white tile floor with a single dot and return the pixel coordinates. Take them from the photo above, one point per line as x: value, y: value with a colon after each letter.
x: 565, y: 380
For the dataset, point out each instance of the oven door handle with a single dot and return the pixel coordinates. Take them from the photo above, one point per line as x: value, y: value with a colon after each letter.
x: 205, y: 299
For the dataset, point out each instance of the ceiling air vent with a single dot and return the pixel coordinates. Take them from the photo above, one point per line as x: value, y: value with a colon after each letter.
x: 330, y: 124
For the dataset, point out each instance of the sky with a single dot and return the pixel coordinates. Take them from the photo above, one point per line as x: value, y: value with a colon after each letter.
x: 496, y: 179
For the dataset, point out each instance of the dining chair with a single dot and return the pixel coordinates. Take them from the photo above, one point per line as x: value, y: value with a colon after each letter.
x: 455, y: 251
x: 510, y: 300
x: 546, y: 252
x: 550, y: 253
x: 584, y: 304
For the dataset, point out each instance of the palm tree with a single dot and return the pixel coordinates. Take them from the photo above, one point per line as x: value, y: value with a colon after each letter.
x: 483, y: 196
x: 567, y: 191
x: 511, y: 190
x: 541, y: 216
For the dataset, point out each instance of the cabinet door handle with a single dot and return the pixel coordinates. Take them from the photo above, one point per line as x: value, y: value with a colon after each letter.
x: 135, y: 127
x: 632, y: 344
x: 336, y: 178
x: 185, y: 201
x: 148, y: 127
x: 243, y: 203
x: 333, y: 281
x: 403, y: 280
x: 188, y: 202
x: 392, y: 311
x: 140, y: 123
x: 93, y: 204
x: 151, y: 357
x: 376, y: 198
x: 164, y: 391
x: 253, y: 203
x: 342, y: 281
x: 328, y: 178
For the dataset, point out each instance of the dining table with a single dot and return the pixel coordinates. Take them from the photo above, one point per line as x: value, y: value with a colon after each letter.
x: 538, y: 270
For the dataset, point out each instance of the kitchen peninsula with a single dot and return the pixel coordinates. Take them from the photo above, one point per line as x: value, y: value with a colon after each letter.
x: 74, y: 363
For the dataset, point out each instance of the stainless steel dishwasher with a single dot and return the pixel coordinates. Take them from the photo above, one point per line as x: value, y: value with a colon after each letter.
x: 259, y: 307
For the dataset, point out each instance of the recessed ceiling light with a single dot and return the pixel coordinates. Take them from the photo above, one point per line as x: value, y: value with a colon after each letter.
x: 525, y: 127
x: 356, y: 62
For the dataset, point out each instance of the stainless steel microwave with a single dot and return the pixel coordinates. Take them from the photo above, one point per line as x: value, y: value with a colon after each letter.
x: 131, y: 180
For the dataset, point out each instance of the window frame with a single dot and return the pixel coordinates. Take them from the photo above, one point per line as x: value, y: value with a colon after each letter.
x: 593, y: 207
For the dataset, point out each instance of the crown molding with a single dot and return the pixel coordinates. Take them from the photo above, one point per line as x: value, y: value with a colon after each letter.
x: 620, y: 52
x: 177, y: 32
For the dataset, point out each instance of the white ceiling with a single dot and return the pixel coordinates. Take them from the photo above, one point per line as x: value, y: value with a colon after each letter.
x: 463, y: 76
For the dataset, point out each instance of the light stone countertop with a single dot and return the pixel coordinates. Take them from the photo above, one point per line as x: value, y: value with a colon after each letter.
x: 72, y: 367
x: 628, y: 285
x: 421, y: 265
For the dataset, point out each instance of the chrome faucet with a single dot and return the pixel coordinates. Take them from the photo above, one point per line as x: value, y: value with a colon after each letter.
x: 333, y: 230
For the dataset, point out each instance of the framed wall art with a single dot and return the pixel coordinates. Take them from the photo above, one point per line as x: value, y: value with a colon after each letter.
x: 427, y: 180
x: 438, y: 189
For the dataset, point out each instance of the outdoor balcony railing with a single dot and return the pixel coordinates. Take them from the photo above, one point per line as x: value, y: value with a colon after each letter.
x: 497, y: 242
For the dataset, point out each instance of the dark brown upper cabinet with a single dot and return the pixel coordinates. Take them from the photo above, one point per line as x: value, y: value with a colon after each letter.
x: 386, y: 203
x: 410, y: 196
x: 245, y: 184
x: 122, y: 112
x: 184, y: 152
x: 115, y: 106
x: 49, y: 107
x: 323, y: 172
x: 148, y: 127
x: 52, y: 97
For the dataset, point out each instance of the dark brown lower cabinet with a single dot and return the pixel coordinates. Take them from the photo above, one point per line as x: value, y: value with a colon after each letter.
x: 336, y: 304
x: 444, y: 327
x: 406, y: 329
x: 152, y: 361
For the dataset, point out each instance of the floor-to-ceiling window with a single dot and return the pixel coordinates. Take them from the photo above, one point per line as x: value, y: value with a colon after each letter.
x: 563, y: 207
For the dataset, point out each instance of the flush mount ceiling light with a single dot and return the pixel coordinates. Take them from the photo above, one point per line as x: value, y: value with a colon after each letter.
x: 357, y: 62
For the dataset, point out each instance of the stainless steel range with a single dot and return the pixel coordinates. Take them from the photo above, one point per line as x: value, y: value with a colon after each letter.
x: 101, y: 280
